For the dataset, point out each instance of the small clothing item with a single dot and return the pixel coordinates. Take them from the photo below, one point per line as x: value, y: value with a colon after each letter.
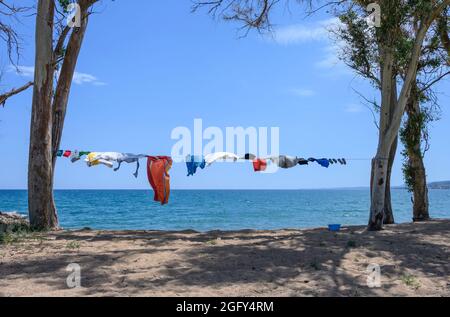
x: 249, y: 157
x: 60, y: 153
x: 67, y: 153
x: 284, y: 161
x: 302, y: 161
x: 129, y: 158
x: 75, y: 156
x: 193, y: 162
x: 211, y: 158
x: 93, y: 160
x: 323, y: 162
x: 111, y: 157
x: 158, y: 176
x: 259, y: 165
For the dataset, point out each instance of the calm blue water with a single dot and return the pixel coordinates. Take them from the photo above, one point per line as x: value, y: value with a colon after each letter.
x: 226, y: 210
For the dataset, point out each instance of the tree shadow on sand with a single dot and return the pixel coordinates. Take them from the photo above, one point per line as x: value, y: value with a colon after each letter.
x: 261, y: 263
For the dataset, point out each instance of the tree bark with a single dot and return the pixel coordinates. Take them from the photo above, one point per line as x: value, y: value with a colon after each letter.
x: 41, y: 206
x: 388, y: 210
x: 390, y: 122
x: 415, y: 163
x: 380, y: 164
x: 61, y: 98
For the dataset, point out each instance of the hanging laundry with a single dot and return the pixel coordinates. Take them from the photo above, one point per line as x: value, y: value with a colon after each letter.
x: 193, y: 162
x: 92, y: 160
x: 129, y: 158
x: 302, y: 161
x: 60, y: 153
x: 158, y: 176
x: 211, y: 158
x: 112, y: 157
x: 75, y: 156
x: 259, y: 165
x: 284, y: 161
x: 323, y: 162
x: 84, y: 153
x: 67, y: 153
x: 249, y: 157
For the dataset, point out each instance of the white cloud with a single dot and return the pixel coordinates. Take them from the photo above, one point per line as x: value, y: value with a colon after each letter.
x: 317, y: 32
x: 353, y: 108
x: 301, y: 33
x: 302, y: 92
x: 78, y: 78
x: 25, y: 71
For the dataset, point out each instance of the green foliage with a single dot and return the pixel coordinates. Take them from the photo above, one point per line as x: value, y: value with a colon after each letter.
x: 64, y: 4
x: 16, y: 236
x: 73, y: 245
x: 411, y: 281
x: 413, y: 134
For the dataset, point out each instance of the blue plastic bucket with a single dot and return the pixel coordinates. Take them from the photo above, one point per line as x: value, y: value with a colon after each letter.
x: 334, y: 227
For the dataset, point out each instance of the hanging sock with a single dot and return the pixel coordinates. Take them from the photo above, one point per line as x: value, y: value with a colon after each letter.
x: 67, y: 153
x: 211, y: 158
x: 193, y: 162
x: 59, y: 153
x: 158, y: 176
x: 259, y: 165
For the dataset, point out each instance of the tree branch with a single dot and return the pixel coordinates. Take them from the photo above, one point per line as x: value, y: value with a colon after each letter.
x: 13, y: 92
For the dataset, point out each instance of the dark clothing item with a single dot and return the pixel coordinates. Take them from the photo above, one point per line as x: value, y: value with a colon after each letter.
x: 302, y: 162
x: 158, y: 176
x: 193, y: 162
x: 60, y: 153
x: 250, y: 157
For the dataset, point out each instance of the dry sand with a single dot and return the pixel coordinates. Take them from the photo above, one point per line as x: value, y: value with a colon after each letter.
x: 414, y: 261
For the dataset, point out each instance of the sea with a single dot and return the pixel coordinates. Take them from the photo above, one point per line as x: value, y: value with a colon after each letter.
x: 205, y: 210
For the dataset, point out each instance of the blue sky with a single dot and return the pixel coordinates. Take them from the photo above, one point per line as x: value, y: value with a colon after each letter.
x: 146, y: 70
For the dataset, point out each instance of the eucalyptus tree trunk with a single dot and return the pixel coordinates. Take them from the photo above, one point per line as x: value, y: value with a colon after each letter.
x: 388, y: 210
x: 415, y: 168
x: 62, y: 92
x: 390, y: 121
x: 380, y: 163
x: 41, y: 206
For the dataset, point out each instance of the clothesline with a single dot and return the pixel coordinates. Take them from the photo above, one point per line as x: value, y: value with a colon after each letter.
x: 158, y: 166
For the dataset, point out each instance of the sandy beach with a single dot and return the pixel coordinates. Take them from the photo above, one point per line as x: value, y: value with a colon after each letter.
x: 414, y: 261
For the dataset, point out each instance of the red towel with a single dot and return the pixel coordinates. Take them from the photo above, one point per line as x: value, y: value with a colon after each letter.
x: 259, y: 165
x: 158, y: 175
